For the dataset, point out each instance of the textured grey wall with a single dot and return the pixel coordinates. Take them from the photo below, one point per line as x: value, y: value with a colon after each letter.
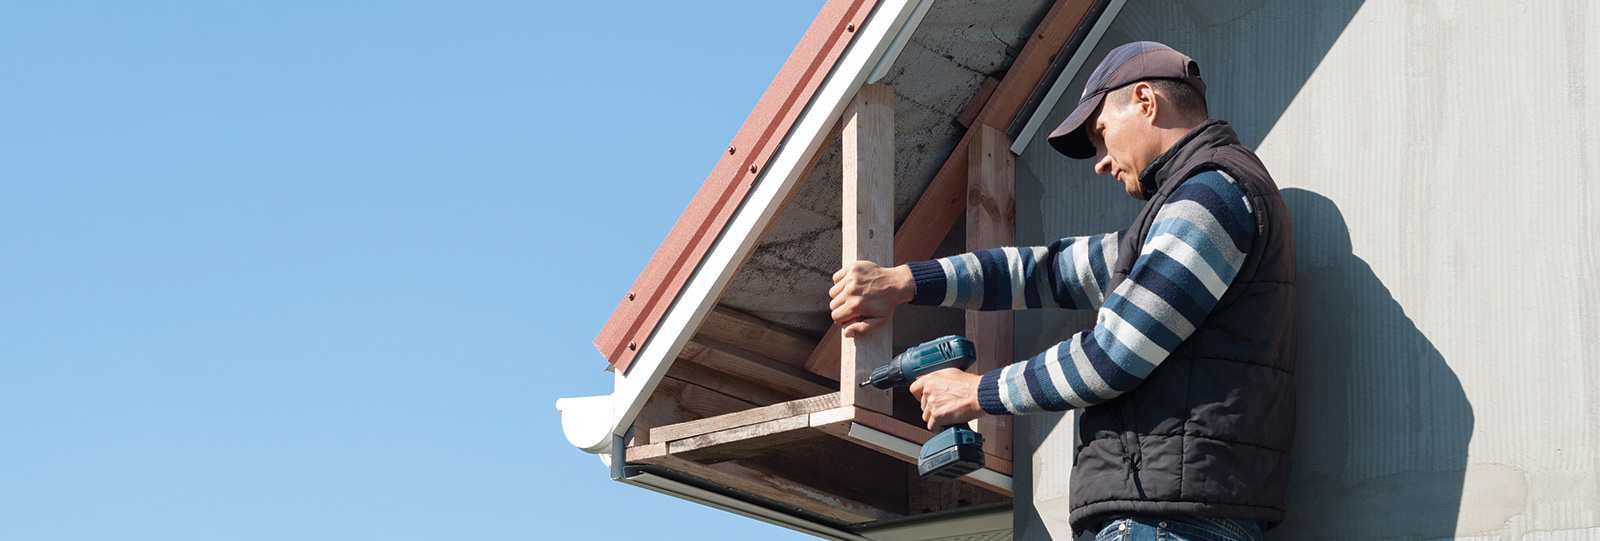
x: 1440, y: 162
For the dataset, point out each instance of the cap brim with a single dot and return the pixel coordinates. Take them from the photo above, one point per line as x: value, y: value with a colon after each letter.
x: 1070, y: 138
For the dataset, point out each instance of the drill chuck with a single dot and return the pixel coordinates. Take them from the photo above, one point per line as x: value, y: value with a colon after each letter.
x: 940, y: 353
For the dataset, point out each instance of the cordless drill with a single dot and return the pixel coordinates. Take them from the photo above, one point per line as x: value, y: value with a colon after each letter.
x: 956, y: 451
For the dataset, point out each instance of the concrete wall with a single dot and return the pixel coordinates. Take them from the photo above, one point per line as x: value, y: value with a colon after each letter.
x: 1441, y: 163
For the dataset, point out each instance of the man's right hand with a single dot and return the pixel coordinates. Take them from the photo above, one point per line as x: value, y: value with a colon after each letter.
x: 865, y: 295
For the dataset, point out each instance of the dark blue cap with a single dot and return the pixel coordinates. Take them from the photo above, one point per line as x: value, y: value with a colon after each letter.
x: 1123, y: 66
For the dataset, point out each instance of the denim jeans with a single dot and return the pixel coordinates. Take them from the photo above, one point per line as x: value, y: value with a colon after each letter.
x: 1178, y: 529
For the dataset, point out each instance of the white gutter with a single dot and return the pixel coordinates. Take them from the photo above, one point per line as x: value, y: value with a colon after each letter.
x: 1067, y: 75
x: 590, y: 422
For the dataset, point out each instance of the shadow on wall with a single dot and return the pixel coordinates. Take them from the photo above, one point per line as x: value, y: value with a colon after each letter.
x: 1383, y: 424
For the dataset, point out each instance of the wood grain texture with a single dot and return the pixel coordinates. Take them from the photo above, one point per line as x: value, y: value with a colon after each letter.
x: 743, y: 418
x: 755, y: 393
x: 745, y: 441
x: 991, y: 223
x: 677, y: 401
x: 756, y: 336
x: 789, y: 380
x: 868, y: 216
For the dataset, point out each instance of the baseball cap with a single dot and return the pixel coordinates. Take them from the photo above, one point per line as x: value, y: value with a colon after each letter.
x: 1124, y: 65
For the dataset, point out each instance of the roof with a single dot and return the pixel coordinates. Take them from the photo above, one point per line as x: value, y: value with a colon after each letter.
x: 736, y: 294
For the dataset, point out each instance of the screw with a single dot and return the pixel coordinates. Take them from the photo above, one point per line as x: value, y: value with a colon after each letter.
x: 630, y: 295
x: 752, y: 169
x: 632, y: 346
x: 850, y: 27
x: 731, y: 150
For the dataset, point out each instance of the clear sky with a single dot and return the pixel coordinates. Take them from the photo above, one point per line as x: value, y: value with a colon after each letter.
x: 319, y: 270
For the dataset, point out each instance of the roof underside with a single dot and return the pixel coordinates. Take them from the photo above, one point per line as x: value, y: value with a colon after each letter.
x: 957, y: 45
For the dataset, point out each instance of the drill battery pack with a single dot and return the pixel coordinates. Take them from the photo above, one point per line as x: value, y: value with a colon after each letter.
x: 950, y: 454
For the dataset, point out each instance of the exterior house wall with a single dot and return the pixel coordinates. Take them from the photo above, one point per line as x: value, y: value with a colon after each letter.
x: 1441, y: 163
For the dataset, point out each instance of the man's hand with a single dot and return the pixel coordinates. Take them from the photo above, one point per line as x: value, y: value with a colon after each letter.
x: 865, y: 295
x: 948, y: 397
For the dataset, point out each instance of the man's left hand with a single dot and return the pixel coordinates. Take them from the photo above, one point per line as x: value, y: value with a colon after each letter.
x: 948, y: 397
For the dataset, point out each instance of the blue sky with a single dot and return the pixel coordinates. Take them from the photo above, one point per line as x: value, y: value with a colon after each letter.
x: 319, y: 270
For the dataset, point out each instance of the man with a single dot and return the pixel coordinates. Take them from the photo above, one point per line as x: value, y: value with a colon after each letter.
x: 1185, y: 379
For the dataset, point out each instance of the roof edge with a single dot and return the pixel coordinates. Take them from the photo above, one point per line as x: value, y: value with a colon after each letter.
x: 747, y: 219
x: 708, y: 213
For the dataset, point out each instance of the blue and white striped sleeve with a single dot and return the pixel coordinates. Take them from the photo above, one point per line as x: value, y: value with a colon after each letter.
x: 1192, y: 253
x: 1069, y: 273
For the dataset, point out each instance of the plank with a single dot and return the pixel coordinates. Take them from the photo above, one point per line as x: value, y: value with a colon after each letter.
x: 944, y: 200
x: 742, y: 418
x: 745, y: 441
x: 787, y: 379
x: 677, y: 401
x: 753, y: 392
x: 991, y: 223
x: 868, y: 230
x: 756, y: 336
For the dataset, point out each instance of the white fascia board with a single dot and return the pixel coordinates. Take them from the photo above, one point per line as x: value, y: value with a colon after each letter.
x: 743, y: 232
x: 901, y: 38
x: 1067, y: 75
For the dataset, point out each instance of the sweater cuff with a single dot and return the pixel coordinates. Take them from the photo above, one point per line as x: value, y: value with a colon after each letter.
x: 989, y: 393
x: 930, y: 282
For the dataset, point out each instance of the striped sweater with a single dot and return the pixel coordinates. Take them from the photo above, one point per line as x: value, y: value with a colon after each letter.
x: 1192, y: 253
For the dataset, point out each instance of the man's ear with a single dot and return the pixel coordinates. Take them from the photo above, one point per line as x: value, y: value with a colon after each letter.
x: 1144, y: 97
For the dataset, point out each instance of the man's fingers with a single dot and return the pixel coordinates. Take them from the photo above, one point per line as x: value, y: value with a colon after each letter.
x: 862, y: 327
x: 839, y: 274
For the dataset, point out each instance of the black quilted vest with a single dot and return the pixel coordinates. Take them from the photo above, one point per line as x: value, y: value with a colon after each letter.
x: 1208, y: 432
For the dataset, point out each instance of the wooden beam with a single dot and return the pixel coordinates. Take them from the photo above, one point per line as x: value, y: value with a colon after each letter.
x: 676, y: 401
x: 788, y: 445
x: 868, y: 230
x: 756, y: 336
x: 743, y: 418
x: 753, y: 392
x: 944, y: 200
x: 991, y: 223
x: 745, y: 441
x: 789, y: 380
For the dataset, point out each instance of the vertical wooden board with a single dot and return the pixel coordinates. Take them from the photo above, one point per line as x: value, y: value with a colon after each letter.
x: 991, y: 223
x: 868, y: 216
x: 940, y: 205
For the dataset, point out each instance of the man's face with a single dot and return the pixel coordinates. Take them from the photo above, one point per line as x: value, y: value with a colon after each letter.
x: 1120, y: 140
